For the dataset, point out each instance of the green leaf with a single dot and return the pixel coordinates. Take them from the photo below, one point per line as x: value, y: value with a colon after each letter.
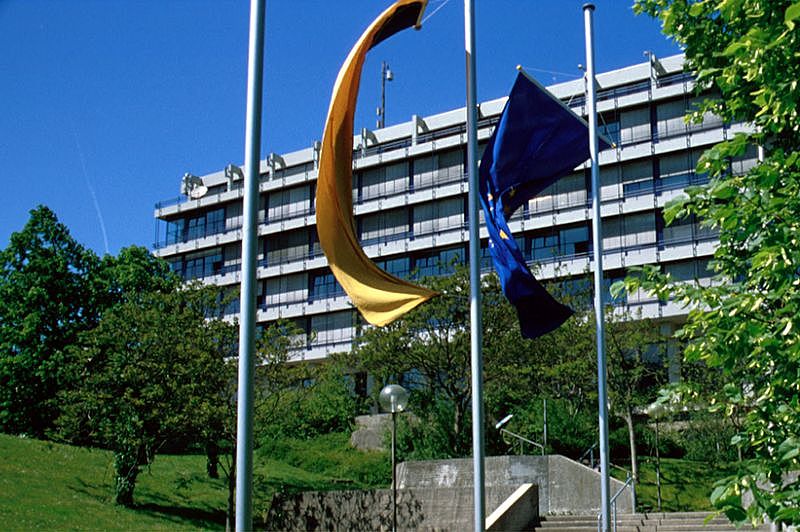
x: 792, y: 13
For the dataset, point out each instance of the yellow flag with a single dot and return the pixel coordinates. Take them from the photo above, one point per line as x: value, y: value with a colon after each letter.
x: 380, y: 297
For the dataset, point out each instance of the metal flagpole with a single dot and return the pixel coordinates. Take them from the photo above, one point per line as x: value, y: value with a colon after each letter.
x: 474, y: 269
x: 602, y: 395
x: 247, y: 295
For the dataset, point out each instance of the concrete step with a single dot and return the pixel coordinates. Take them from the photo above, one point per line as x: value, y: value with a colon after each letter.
x: 642, y: 522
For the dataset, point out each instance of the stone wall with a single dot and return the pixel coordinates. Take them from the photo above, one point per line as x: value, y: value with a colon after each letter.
x: 425, y: 509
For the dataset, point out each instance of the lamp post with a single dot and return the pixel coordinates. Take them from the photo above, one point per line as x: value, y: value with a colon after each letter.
x: 394, y: 398
x: 386, y: 75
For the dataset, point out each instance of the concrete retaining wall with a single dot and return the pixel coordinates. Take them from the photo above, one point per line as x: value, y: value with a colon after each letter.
x: 437, y: 495
x: 426, y: 509
x: 565, y: 486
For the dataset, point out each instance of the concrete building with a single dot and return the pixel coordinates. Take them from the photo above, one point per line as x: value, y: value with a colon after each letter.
x: 410, y: 197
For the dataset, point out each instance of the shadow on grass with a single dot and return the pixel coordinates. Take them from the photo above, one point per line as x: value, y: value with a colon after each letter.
x: 101, y: 492
x: 165, y: 508
x: 195, y: 516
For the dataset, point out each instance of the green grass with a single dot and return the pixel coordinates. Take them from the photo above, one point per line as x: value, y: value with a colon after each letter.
x: 51, y: 486
x: 685, y: 484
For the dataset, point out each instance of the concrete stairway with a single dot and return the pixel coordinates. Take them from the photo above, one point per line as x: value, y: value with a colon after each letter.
x: 642, y: 522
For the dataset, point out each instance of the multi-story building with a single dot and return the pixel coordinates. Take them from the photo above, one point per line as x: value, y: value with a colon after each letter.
x: 410, y: 199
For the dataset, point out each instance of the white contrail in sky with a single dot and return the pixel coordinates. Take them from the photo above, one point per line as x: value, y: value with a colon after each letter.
x: 91, y: 190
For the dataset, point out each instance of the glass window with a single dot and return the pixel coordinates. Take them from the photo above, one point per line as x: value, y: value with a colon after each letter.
x: 574, y: 241
x: 197, y: 266
x: 384, y: 181
x: 670, y: 118
x: 285, y: 289
x: 383, y: 226
x: 175, y: 231
x: 399, y: 267
x: 438, y: 216
x: 287, y: 247
x: 324, y: 285
x: 333, y: 328
x: 544, y: 247
x: 634, y: 125
x: 439, y: 263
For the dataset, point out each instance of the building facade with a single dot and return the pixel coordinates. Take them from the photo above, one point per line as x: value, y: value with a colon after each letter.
x: 410, y: 199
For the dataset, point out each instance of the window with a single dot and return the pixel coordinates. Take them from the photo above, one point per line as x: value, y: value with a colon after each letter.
x: 175, y: 231
x: 574, y: 241
x: 399, y: 267
x: 610, y: 130
x: 288, y: 202
x: 287, y: 247
x: 438, y: 263
x: 383, y: 226
x: 209, y: 223
x: 675, y: 171
x: 683, y: 230
x: 333, y: 328
x: 544, y: 247
x: 637, y: 178
x: 324, y: 285
x: 383, y: 181
x: 204, y: 264
x: 438, y: 216
x: 439, y: 168
x: 565, y: 243
x: 285, y: 289
x: 634, y: 125
x: 670, y: 119
x: 710, y: 120
x: 486, y: 256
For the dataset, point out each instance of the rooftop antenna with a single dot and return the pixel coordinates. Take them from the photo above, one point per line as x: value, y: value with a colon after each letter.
x: 386, y: 75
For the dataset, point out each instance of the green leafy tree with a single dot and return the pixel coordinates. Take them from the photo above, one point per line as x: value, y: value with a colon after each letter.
x: 275, y: 379
x: 428, y: 351
x: 636, y: 357
x: 148, y: 369
x: 745, y: 324
x: 46, y: 300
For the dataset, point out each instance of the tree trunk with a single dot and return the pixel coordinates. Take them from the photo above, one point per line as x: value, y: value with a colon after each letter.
x: 634, y: 461
x: 126, y: 469
x: 231, y: 514
x: 212, y: 459
x: 458, y: 423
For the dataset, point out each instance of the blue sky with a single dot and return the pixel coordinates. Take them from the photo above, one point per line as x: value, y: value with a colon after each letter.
x: 106, y: 103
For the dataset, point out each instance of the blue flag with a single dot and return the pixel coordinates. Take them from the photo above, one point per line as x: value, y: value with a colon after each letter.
x: 537, y: 141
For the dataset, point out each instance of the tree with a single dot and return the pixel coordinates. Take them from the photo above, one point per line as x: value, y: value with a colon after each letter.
x: 275, y: 377
x: 746, y: 51
x: 147, y: 369
x: 636, y: 357
x: 428, y: 351
x: 46, y: 300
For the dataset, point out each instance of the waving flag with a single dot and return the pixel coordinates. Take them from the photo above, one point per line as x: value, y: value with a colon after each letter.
x: 380, y: 297
x: 537, y: 141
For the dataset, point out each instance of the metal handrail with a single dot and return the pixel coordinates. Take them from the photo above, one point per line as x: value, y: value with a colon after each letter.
x: 590, y: 452
x: 613, y: 502
x: 523, y: 440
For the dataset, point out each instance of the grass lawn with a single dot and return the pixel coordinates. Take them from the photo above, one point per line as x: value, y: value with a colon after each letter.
x: 51, y: 486
x: 685, y: 484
